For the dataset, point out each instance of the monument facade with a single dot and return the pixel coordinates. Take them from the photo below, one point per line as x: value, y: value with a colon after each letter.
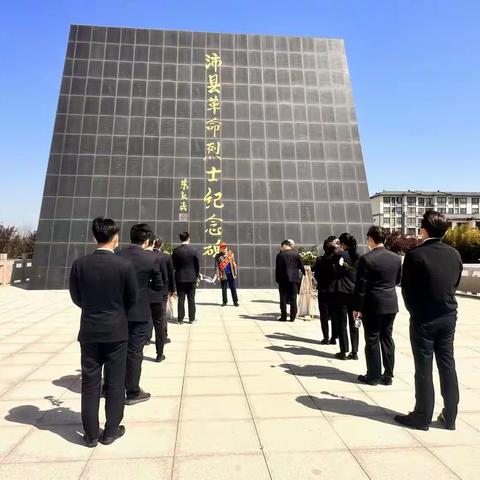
x: 246, y: 139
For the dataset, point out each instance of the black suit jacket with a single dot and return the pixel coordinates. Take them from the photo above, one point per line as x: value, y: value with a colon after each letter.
x: 288, y: 266
x: 324, y: 273
x: 186, y: 264
x: 345, y: 273
x: 147, y: 268
x: 105, y: 287
x: 378, y: 273
x: 168, y: 278
x: 431, y: 274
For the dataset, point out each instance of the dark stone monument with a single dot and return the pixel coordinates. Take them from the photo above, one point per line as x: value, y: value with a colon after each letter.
x: 248, y: 139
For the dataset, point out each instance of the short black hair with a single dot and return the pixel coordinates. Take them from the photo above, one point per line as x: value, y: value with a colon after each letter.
x: 140, y: 233
x: 435, y: 223
x: 158, y: 243
x: 328, y: 244
x: 104, y: 229
x: 348, y: 240
x: 184, y: 236
x: 377, y: 234
x: 286, y: 243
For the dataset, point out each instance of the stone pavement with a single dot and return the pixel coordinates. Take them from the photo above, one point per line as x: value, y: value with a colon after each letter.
x: 240, y: 396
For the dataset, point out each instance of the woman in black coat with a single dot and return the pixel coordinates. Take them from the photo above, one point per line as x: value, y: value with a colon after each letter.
x: 345, y: 275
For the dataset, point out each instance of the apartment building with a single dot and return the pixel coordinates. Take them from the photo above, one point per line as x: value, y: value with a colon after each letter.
x: 403, y: 210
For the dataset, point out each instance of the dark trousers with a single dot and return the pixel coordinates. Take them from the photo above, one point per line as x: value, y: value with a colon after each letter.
x: 159, y: 321
x: 186, y: 289
x: 288, y: 295
x: 138, y: 337
x: 323, y: 310
x: 341, y: 312
x: 113, y: 357
x: 434, y: 337
x: 378, y: 337
x: 229, y: 282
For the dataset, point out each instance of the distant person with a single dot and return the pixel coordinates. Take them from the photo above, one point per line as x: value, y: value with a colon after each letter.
x: 227, y: 273
x: 379, y: 271
x: 187, y: 269
x: 159, y: 299
x: 325, y: 276
x: 346, y: 272
x: 149, y: 277
x: 431, y: 274
x: 288, y: 271
x: 104, y: 286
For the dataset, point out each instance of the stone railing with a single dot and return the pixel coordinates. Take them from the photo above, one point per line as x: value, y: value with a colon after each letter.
x: 470, y: 282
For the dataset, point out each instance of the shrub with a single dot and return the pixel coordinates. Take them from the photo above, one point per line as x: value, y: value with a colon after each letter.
x: 399, y: 243
x: 15, y: 243
x: 466, y: 240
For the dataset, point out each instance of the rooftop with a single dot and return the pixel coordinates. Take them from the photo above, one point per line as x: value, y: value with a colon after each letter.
x: 427, y: 193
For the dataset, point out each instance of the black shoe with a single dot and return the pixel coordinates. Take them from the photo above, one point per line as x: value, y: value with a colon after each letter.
x: 352, y: 356
x: 447, y: 425
x: 410, y: 420
x: 167, y: 340
x: 107, y: 440
x: 292, y: 320
x: 368, y: 381
x: 332, y: 341
x: 341, y: 356
x: 180, y: 322
x: 237, y: 304
x: 90, y: 442
x: 281, y: 319
x: 141, y: 396
x: 324, y: 341
x: 386, y: 380
x: 160, y: 358
x: 224, y: 304
x: 193, y: 321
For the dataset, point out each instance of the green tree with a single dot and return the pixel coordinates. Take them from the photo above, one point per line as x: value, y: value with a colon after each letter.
x: 466, y: 240
x: 15, y: 243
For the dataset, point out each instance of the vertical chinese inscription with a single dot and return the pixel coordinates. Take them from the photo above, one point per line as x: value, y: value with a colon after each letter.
x: 183, y: 213
x: 213, y: 156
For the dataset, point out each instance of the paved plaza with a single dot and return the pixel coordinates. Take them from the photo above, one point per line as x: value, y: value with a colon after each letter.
x: 240, y: 396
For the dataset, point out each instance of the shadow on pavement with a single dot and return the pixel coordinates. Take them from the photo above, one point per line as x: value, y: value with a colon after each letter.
x: 293, y: 338
x: 297, y: 350
x: 69, y: 382
x: 265, y: 301
x: 320, y: 371
x: 59, y: 420
x: 348, y: 406
x: 264, y: 317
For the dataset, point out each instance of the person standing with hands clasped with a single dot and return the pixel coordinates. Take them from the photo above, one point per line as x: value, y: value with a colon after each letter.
x: 288, y: 268
x: 379, y: 271
x: 431, y: 274
x: 104, y: 286
x: 227, y: 273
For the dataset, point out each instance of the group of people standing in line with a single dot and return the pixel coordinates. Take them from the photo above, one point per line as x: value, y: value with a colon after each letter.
x: 356, y: 290
x: 123, y: 298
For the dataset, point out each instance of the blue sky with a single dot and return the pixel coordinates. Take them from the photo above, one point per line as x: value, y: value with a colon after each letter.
x: 414, y: 67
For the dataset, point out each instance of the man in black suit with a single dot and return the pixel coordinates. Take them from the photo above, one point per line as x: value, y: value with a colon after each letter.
x: 187, y: 269
x: 104, y: 286
x: 288, y: 266
x: 149, y: 277
x: 379, y: 271
x: 431, y: 274
x: 158, y: 299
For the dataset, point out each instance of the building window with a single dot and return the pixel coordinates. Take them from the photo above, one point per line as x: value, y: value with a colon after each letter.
x: 421, y: 202
x: 411, y: 210
x: 386, y: 199
x: 411, y: 231
x: 457, y: 201
x: 411, y: 200
x: 456, y: 210
x: 410, y: 221
x: 450, y: 210
x: 442, y: 200
x: 392, y: 222
x: 463, y: 200
x: 475, y: 211
x: 463, y: 210
x: 386, y: 210
x: 429, y: 202
x: 475, y: 201
x: 442, y: 210
x: 399, y: 210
